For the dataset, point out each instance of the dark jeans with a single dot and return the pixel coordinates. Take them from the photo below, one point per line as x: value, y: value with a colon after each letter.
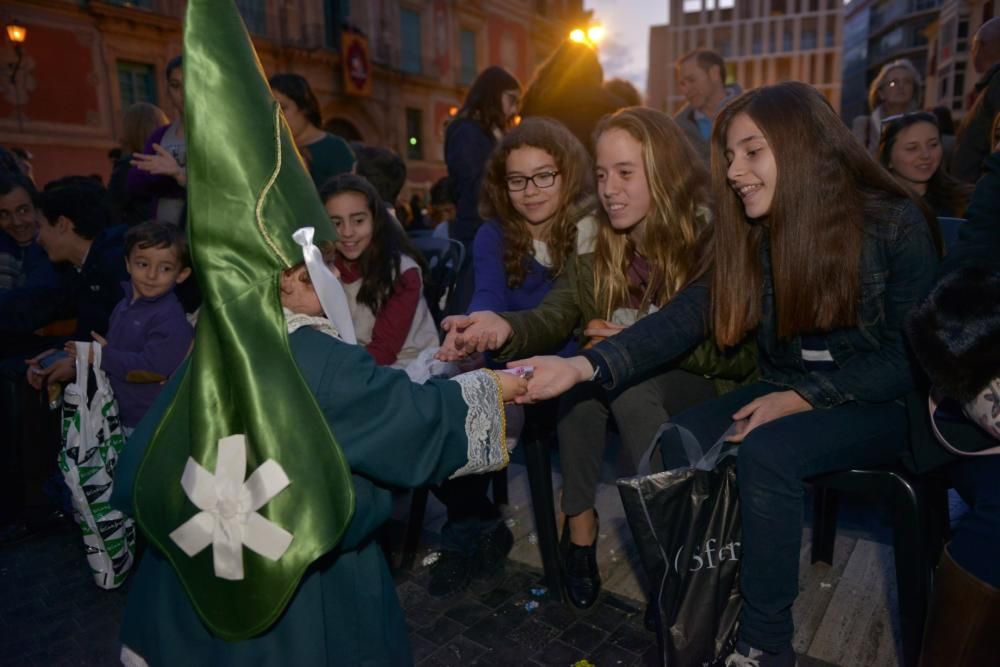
x: 773, y: 461
x: 975, y: 544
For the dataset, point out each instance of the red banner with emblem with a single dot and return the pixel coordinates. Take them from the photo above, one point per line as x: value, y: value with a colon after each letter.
x: 356, y: 65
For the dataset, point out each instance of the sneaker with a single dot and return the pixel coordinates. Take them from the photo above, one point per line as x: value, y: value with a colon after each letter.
x: 747, y: 656
x: 491, y: 554
x: 450, y: 574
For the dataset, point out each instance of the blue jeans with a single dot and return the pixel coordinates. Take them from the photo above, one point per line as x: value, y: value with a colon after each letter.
x: 773, y: 461
x: 975, y: 544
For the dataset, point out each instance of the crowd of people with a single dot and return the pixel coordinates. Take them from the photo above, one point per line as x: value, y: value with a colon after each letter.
x: 746, y: 269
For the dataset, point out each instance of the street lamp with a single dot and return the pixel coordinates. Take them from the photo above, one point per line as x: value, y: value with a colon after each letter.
x: 18, y: 35
x: 591, y: 35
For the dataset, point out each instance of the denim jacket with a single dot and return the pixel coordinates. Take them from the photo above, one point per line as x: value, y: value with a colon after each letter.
x: 898, y: 262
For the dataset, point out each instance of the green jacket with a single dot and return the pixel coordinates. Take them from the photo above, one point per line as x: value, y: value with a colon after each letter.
x: 572, y: 303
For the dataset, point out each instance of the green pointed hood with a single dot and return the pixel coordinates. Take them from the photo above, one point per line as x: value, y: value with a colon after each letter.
x: 248, y: 191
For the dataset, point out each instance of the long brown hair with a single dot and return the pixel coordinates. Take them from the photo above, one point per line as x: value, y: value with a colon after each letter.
x: 816, y: 224
x: 576, y: 199
x: 678, y: 187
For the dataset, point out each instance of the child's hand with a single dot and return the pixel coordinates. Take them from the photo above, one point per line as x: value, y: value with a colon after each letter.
x: 99, y: 338
x: 70, y: 348
x: 512, y: 386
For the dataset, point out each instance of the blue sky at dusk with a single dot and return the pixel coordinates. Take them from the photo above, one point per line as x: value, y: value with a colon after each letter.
x: 624, y: 52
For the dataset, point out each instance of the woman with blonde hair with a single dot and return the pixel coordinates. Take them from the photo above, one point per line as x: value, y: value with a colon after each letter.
x: 648, y: 246
x: 139, y: 122
x: 896, y: 90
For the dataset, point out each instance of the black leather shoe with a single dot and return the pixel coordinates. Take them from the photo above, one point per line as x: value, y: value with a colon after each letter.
x: 582, y: 578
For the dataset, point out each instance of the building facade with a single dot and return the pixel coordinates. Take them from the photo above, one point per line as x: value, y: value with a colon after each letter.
x: 951, y: 78
x: 83, y: 63
x: 935, y: 35
x: 876, y: 33
x: 762, y: 41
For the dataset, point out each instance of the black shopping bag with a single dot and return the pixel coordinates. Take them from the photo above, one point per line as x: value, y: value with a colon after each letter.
x: 686, y: 524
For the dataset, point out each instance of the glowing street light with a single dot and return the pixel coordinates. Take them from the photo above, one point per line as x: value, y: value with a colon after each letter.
x: 595, y: 33
x: 17, y: 34
x: 591, y: 36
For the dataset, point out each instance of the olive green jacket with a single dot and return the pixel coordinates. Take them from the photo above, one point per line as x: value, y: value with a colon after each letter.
x: 572, y: 303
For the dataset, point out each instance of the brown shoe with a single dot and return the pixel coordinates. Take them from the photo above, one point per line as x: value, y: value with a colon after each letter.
x: 963, y: 620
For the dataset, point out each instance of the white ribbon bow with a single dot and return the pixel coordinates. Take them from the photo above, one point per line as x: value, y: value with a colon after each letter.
x: 329, y: 290
x: 229, y: 518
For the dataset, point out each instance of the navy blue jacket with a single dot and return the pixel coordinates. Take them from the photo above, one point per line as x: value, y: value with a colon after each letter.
x: 467, y: 147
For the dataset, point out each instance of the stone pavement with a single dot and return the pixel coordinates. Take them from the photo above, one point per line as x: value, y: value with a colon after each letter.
x: 52, y: 614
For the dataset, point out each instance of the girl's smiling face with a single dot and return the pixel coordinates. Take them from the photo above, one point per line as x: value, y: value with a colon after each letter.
x: 621, y: 179
x: 350, y: 215
x: 916, y: 153
x: 537, y: 199
x: 752, y: 173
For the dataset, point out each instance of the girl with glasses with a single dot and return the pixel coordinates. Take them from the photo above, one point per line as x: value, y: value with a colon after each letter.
x: 538, y: 199
x: 911, y: 150
x: 647, y: 248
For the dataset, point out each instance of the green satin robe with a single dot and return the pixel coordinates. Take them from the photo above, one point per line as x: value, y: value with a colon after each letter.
x: 345, y: 612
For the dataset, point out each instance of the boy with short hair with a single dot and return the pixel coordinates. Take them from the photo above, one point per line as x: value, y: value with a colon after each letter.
x: 149, y: 334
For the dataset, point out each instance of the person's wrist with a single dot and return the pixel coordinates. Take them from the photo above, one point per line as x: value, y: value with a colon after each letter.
x: 584, y: 369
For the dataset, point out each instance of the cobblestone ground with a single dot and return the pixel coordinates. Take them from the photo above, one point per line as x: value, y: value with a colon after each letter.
x: 52, y: 614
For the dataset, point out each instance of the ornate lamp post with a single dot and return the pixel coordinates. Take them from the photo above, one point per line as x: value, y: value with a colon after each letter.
x: 17, y: 34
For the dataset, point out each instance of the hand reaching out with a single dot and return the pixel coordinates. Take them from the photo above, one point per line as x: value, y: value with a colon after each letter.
x: 552, y: 376
x: 477, y: 332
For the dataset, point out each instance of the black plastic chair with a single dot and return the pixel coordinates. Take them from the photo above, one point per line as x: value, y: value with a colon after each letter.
x: 918, y: 509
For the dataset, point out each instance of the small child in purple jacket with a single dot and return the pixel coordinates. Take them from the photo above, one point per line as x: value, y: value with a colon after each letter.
x: 149, y: 334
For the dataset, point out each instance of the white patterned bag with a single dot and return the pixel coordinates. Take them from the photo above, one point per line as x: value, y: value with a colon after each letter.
x: 92, y: 441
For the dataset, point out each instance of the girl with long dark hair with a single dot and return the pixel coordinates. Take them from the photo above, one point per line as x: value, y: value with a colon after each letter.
x: 486, y: 114
x: 381, y: 273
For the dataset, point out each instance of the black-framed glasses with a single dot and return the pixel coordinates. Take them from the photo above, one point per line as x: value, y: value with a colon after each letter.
x: 544, y: 179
